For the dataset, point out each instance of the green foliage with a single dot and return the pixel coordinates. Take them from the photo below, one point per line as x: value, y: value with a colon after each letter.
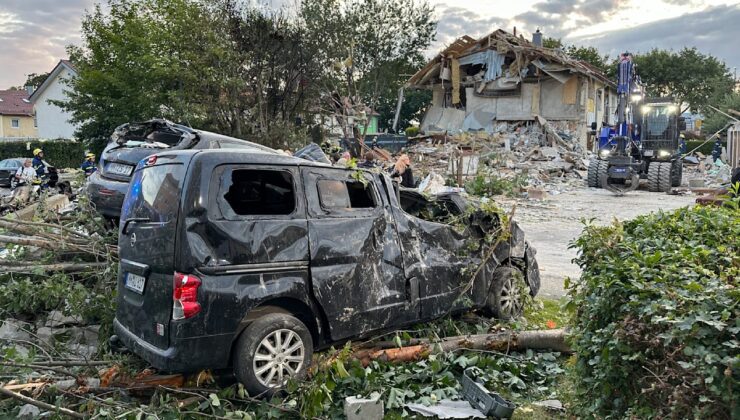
x: 590, y: 55
x: 59, y: 153
x: 705, y: 148
x: 36, y: 79
x: 487, y: 185
x: 412, y: 131
x: 724, y: 100
x: 690, y: 77
x: 656, y: 316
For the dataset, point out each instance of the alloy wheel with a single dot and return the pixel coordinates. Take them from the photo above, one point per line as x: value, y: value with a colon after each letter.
x: 279, y: 356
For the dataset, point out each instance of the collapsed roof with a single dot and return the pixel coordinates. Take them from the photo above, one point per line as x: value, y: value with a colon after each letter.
x: 499, y: 61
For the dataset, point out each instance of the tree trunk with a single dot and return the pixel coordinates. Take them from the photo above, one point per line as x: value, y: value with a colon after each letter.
x: 502, y: 342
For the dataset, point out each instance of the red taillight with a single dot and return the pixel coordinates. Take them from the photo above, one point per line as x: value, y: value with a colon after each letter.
x: 151, y: 160
x: 185, y: 296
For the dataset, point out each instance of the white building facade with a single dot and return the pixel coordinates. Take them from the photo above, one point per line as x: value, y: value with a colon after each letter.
x: 52, y: 121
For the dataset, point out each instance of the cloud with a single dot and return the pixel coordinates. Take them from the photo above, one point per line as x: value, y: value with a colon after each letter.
x: 454, y: 22
x: 36, y: 36
x: 712, y: 30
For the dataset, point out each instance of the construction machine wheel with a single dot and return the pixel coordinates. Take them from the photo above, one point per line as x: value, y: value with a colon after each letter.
x: 676, y: 172
x: 664, y: 184
x: 593, y: 173
x: 653, y: 177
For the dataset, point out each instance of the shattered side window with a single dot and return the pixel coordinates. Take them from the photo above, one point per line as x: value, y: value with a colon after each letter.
x: 259, y: 192
x: 345, y: 194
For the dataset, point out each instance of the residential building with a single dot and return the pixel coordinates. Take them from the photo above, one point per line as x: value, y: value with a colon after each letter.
x: 53, y: 122
x: 16, y: 115
x: 501, y: 77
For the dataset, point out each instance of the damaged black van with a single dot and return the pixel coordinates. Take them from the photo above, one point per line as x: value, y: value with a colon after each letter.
x: 253, y: 260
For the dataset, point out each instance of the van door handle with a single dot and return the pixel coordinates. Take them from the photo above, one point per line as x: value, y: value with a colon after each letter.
x: 133, y: 220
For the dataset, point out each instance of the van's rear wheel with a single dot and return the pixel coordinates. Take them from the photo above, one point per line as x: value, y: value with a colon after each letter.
x: 507, y: 294
x: 271, y: 350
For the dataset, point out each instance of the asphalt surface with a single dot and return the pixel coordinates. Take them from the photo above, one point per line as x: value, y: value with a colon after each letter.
x: 551, y: 224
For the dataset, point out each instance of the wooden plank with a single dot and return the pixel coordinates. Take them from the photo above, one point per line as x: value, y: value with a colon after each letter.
x: 570, y: 89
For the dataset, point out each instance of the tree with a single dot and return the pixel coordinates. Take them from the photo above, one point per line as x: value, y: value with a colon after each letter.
x: 716, y: 120
x: 36, y: 80
x: 690, y: 77
x: 590, y: 55
x: 145, y: 59
x: 367, y: 49
x: 549, y: 42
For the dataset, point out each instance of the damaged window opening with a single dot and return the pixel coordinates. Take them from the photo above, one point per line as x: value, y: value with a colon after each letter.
x: 345, y: 195
x: 260, y: 192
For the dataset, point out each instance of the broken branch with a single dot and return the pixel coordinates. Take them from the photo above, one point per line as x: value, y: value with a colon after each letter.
x: 40, y: 404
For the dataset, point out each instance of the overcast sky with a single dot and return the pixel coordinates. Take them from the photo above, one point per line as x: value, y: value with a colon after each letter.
x: 33, y: 33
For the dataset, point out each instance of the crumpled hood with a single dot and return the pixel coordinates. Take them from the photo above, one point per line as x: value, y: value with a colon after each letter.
x: 129, y: 155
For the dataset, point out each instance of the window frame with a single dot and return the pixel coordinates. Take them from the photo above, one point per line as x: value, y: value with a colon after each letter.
x: 15, y: 123
x: 345, y: 212
x: 216, y: 194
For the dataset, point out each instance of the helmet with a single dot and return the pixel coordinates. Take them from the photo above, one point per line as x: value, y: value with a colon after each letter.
x: 37, y: 151
x: 90, y: 155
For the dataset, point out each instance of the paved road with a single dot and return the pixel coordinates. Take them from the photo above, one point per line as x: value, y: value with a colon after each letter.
x: 551, y: 224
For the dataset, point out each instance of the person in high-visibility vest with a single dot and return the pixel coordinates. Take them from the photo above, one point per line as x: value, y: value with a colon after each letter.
x: 89, y: 164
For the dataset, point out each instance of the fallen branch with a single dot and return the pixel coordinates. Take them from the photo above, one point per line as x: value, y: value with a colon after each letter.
x: 64, y: 267
x: 39, y: 367
x: 19, y: 240
x: 536, y: 340
x: 70, y: 363
x: 40, y: 404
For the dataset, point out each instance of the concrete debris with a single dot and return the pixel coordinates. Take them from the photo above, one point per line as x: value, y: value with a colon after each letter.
x: 513, y: 150
x: 357, y: 408
x: 12, y: 329
x: 29, y: 411
x: 58, y: 319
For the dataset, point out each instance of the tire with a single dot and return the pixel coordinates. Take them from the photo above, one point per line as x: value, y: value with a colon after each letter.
x: 676, y: 172
x: 593, y: 173
x: 654, y: 177
x: 664, y: 183
x: 506, y: 296
x: 262, y: 334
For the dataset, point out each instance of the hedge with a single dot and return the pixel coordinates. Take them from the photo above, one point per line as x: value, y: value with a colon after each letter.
x: 706, y: 149
x: 60, y: 153
x: 656, y: 321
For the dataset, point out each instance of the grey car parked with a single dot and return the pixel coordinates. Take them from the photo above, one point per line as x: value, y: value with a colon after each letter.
x: 132, y: 142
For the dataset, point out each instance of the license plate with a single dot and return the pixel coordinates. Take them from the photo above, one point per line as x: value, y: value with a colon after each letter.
x: 135, y: 282
x: 120, y: 169
x: 620, y: 170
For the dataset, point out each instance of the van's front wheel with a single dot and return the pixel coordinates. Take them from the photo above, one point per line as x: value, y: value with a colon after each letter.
x: 271, y: 350
x: 507, y: 294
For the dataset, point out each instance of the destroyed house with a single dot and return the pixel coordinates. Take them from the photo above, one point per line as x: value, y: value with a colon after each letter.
x: 476, y: 84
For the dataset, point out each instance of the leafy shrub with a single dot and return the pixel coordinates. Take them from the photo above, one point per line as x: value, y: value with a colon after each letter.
x: 486, y: 185
x: 412, y: 131
x: 60, y: 153
x: 705, y: 148
x: 656, y: 316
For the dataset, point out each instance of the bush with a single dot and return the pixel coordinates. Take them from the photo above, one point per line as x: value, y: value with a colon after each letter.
x: 705, y: 149
x: 60, y: 153
x: 412, y: 131
x: 656, y: 316
x: 487, y: 185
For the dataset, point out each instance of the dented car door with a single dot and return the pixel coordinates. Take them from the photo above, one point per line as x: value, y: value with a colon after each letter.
x: 356, y: 271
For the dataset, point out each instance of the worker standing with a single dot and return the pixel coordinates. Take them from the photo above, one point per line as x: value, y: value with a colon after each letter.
x: 682, y: 144
x: 89, y: 165
x: 40, y: 166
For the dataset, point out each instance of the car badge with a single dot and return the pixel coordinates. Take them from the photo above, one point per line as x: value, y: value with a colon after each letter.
x: 133, y: 239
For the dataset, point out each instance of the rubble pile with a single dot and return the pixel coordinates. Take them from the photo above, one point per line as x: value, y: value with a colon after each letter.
x: 524, y: 149
x: 704, y: 171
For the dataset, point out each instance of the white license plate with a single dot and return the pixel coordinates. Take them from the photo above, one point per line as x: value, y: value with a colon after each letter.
x: 120, y: 169
x: 135, y: 282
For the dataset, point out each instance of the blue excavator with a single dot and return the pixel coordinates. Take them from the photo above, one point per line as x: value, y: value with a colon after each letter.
x: 643, y: 145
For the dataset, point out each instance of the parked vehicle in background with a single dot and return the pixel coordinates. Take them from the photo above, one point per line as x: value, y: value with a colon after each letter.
x: 133, y: 142
x: 253, y: 260
x: 8, y: 168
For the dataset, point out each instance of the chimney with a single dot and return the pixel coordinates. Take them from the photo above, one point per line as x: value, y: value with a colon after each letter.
x: 29, y: 90
x: 515, y: 31
x: 537, y: 38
